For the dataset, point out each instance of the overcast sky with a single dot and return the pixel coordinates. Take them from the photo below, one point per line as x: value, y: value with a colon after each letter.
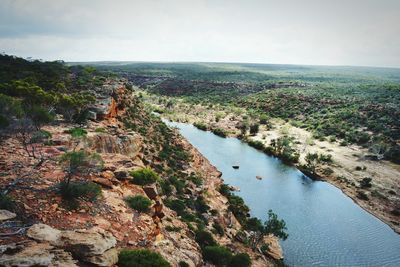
x: 326, y: 32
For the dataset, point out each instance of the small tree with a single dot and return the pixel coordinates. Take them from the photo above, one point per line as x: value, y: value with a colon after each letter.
x: 80, y: 162
x: 254, y: 129
x: 272, y: 226
x: 312, y: 161
x: 275, y: 226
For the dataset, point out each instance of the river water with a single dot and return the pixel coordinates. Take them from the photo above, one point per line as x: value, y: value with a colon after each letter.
x: 326, y: 228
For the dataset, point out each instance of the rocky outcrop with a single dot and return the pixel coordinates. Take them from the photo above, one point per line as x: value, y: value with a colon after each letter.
x: 6, y: 215
x: 94, y: 246
x: 34, y: 254
x: 128, y: 145
x: 274, y: 249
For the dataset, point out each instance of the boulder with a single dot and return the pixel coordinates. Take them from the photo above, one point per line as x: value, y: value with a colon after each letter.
x: 102, y: 181
x: 108, y: 258
x: 43, y: 232
x: 121, y: 174
x: 86, y: 243
x: 274, y: 249
x: 151, y: 191
x: 94, y: 246
x: 35, y: 254
x: 6, y: 215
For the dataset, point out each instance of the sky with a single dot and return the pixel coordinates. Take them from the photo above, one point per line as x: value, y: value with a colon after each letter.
x: 312, y: 32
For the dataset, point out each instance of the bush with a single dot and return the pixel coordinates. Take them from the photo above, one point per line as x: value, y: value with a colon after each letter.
x: 204, y: 239
x: 201, y: 205
x: 166, y: 187
x: 172, y: 228
x: 73, y: 191
x: 225, y: 190
x: 256, y: 144
x: 40, y: 136
x: 176, y: 205
x: 144, y: 176
x: 362, y: 195
x: 139, y: 203
x: 366, y: 182
x: 200, y: 126
x: 183, y: 264
x: 240, y: 260
x: 264, y: 119
x: 220, y: 256
x: 6, y: 202
x: 142, y: 258
x: 196, y: 180
x: 220, y: 132
x: 254, y: 129
x: 83, y: 190
x: 218, y: 229
x: 77, y: 132
x: 100, y: 130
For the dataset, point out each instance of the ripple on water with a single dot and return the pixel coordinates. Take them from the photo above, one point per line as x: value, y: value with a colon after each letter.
x: 326, y: 228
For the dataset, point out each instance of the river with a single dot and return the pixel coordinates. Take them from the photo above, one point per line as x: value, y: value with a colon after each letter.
x: 326, y: 228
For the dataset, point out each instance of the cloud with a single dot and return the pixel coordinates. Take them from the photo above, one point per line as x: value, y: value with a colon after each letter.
x: 352, y: 32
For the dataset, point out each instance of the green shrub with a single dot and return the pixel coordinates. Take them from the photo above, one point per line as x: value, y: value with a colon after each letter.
x: 225, y: 190
x: 166, y: 187
x: 83, y: 190
x: 183, y: 264
x: 196, y: 180
x: 141, y: 258
x: 178, y: 184
x: 172, y: 228
x: 362, y: 195
x: 176, y: 205
x: 326, y: 158
x: 366, y: 182
x: 264, y: 119
x: 77, y: 132
x: 240, y: 260
x: 39, y: 115
x: 6, y: 202
x: 220, y: 132
x: 254, y: 129
x: 217, y: 255
x: 139, y: 203
x: 40, y: 136
x: 100, y: 130
x: 201, y: 205
x: 218, y: 229
x: 144, y: 176
x: 200, y: 126
x: 256, y: 144
x: 204, y: 238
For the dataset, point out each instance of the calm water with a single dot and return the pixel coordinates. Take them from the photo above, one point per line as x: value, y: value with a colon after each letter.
x: 326, y: 228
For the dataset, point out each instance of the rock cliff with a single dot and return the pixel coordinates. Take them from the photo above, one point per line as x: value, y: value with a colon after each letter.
x: 46, y: 232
